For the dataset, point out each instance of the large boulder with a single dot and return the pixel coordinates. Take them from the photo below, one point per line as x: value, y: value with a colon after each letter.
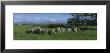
x: 40, y: 28
x: 36, y: 31
x: 69, y: 29
x: 46, y: 30
x: 53, y: 31
x: 50, y: 32
x: 58, y: 29
x: 29, y: 30
x: 75, y: 29
x: 43, y: 30
x: 62, y: 29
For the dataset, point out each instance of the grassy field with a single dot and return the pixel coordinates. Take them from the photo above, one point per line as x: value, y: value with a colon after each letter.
x: 19, y: 34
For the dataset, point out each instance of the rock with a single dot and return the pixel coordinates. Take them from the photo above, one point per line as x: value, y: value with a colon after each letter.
x: 29, y: 30
x: 62, y: 29
x: 50, y: 32
x: 53, y: 31
x: 36, y: 31
x: 58, y: 29
x: 46, y: 30
x: 75, y: 29
x: 69, y: 29
x: 78, y: 29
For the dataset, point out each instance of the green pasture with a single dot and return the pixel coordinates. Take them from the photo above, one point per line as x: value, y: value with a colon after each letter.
x: 19, y: 34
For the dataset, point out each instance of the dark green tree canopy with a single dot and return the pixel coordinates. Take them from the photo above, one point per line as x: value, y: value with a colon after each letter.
x: 79, y: 19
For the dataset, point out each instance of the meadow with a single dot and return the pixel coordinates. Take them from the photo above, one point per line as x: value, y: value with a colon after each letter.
x: 19, y: 34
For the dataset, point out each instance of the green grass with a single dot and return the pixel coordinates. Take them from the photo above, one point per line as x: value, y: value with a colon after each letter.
x: 19, y: 34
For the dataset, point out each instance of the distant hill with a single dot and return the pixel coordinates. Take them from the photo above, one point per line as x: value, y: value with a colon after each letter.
x: 37, y: 23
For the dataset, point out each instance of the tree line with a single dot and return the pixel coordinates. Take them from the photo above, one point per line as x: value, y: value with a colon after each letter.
x: 79, y: 19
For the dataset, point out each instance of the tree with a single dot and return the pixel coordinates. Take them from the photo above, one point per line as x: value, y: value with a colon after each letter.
x: 85, y: 19
x: 75, y: 20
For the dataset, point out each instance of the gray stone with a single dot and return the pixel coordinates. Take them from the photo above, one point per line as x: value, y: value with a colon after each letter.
x: 53, y: 31
x: 50, y: 32
x: 69, y: 29
x: 58, y: 29
x: 75, y: 29
x: 62, y: 29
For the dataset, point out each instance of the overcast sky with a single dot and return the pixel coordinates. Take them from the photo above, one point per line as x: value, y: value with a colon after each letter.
x: 42, y: 17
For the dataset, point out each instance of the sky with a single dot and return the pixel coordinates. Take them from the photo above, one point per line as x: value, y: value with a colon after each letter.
x: 42, y: 17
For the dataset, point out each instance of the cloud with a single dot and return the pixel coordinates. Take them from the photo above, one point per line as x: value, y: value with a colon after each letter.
x: 42, y: 17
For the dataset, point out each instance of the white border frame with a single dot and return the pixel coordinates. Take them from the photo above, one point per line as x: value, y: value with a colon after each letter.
x: 100, y: 43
